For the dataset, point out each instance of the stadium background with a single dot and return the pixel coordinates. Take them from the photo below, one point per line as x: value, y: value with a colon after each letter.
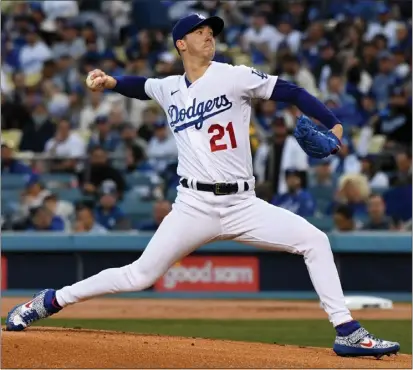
x: 77, y: 164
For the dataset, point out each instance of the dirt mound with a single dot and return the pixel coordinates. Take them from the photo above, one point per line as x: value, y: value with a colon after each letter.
x: 71, y: 348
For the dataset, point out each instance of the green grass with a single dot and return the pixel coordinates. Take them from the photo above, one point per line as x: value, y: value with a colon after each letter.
x: 317, y: 333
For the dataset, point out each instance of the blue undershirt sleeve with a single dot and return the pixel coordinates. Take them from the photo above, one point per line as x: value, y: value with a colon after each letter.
x: 288, y: 92
x: 131, y: 87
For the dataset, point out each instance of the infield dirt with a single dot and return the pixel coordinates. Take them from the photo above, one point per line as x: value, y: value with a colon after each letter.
x: 71, y: 348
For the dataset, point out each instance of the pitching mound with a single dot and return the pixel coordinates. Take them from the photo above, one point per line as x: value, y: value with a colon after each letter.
x: 71, y: 348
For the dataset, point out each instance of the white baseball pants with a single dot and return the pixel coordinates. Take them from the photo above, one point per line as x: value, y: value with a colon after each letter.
x: 200, y: 217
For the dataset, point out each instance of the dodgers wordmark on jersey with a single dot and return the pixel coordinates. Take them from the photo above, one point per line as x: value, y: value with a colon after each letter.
x: 210, y: 119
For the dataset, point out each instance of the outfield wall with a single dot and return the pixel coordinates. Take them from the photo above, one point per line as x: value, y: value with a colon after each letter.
x: 368, y: 263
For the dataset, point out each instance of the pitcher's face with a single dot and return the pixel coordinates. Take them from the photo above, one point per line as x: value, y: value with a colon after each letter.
x: 199, y: 43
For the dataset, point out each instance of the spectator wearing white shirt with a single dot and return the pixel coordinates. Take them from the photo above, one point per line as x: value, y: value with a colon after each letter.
x: 6, y: 87
x: 377, y: 179
x: 385, y: 26
x: 289, y: 37
x: 67, y: 147
x: 261, y: 39
x: 96, y: 106
x: 71, y: 43
x: 281, y: 153
x: 295, y: 73
x: 32, y: 197
x: 58, y: 103
x: 119, y: 11
x: 34, y: 53
x: 162, y: 148
x: 60, y: 8
x: 345, y: 162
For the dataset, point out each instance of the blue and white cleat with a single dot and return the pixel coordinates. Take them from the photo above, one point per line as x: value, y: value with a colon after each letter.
x: 362, y: 343
x: 42, y: 305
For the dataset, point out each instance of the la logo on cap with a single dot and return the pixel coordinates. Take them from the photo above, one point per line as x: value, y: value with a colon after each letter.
x: 200, y: 16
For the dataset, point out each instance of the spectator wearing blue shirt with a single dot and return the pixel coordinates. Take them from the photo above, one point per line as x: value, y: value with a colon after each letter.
x: 160, y: 210
x: 384, y: 80
x: 337, y: 87
x: 346, y: 160
x: 104, y: 136
x: 108, y: 213
x: 43, y: 220
x: 344, y: 105
x: 86, y: 222
x: 10, y: 164
x: 296, y: 200
x: 403, y: 38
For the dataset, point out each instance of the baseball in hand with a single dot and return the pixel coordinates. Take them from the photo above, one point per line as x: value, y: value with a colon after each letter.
x: 95, y: 82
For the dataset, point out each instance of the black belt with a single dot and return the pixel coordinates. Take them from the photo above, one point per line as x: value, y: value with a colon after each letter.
x: 220, y: 188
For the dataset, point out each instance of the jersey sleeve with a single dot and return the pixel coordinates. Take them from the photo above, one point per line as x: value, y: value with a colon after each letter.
x: 154, y: 88
x: 252, y: 83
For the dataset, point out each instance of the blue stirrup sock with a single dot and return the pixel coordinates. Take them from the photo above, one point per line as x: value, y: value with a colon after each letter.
x: 343, y: 330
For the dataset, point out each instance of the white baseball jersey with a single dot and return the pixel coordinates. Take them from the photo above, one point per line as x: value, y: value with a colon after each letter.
x: 210, y: 119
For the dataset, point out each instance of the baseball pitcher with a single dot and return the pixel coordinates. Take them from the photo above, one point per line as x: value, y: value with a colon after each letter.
x: 208, y: 110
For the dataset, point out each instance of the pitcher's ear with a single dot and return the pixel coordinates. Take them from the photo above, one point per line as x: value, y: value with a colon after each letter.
x: 181, y: 45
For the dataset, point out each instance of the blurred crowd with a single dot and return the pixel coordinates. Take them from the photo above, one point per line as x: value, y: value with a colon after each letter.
x: 353, y: 55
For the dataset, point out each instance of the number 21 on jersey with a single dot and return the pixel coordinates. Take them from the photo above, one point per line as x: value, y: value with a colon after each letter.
x: 219, y: 132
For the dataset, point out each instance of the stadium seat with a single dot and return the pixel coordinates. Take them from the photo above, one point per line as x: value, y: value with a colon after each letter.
x: 10, y: 196
x: 12, y: 181
x: 171, y: 194
x: 138, y: 179
x: 137, y: 206
x: 70, y: 195
x: 323, y: 196
x: 323, y: 223
x: 137, y: 210
x: 378, y: 190
x: 54, y: 180
x: 51, y: 181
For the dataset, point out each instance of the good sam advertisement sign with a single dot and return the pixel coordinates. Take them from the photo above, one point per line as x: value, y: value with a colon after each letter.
x: 219, y: 274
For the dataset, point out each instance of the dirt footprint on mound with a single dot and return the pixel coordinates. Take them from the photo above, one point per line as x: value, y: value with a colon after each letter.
x: 71, y: 348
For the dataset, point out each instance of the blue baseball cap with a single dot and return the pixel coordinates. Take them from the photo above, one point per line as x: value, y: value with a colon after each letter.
x: 193, y: 21
x: 31, y: 179
x: 383, y: 8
